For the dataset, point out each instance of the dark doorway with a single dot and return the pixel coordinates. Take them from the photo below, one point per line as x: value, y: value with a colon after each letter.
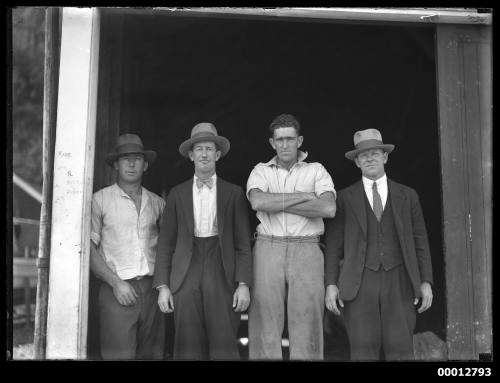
x: 336, y: 78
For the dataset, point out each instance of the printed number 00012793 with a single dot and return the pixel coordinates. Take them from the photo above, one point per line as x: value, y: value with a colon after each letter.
x: 467, y: 371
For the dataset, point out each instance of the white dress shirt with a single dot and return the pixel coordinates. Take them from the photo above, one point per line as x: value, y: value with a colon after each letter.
x: 381, y: 188
x: 205, y: 209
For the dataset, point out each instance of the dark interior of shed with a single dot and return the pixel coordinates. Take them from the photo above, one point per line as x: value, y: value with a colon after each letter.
x: 238, y: 73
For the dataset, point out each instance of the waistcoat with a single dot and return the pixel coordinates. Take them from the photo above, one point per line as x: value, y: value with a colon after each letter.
x: 383, y: 247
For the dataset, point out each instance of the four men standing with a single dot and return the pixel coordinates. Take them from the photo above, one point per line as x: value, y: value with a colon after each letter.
x: 376, y: 266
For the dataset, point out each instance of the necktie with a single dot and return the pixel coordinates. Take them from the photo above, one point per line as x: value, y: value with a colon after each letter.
x: 377, y: 202
x: 209, y: 182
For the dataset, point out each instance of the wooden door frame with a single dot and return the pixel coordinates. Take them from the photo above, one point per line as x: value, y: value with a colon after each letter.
x: 465, y: 127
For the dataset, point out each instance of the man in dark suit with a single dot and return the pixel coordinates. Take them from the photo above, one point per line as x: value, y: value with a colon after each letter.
x: 377, y: 259
x: 204, y: 264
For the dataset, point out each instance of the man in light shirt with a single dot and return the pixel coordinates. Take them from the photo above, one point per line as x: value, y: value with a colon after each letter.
x: 204, y: 266
x: 380, y: 239
x: 291, y: 198
x: 124, y: 235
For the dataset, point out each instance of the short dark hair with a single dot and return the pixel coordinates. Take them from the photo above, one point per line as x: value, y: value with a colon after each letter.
x: 284, y: 121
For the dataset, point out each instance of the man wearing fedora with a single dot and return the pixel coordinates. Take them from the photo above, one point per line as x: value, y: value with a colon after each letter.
x: 124, y: 235
x: 377, y: 260
x: 291, y: 196
x: 204, y: 265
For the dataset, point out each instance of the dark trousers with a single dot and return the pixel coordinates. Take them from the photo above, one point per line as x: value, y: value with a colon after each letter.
x: 206, y: 325
x: 382, y: 316
x: 131, y: 332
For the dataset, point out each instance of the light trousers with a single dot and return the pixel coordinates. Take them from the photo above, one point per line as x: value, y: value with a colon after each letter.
x: 287, y: 269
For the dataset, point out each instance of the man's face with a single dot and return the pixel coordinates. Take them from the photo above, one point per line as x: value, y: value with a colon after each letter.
x: 130, y: 167
x: 286, y: 143
x: 204, y: 155
x: 371, y: 162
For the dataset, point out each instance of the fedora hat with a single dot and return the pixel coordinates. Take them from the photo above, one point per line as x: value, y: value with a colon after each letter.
x: 368, y: 139
x: 126, y: 144
x: 204, y: 131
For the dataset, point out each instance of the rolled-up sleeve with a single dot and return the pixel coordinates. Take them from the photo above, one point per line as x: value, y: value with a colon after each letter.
x: 96, y: 219
x: 323, y: 182
x: 257, y: 180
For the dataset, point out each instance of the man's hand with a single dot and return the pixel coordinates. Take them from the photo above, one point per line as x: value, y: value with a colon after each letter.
x: 241, y: 298
x: 426, y: 291
x: 124, y: 293
x: 331, y: 297
x: 165, y: 300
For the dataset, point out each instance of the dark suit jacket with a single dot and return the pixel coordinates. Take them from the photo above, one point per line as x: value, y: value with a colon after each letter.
x: 346, y: 238
x: 175, y: 243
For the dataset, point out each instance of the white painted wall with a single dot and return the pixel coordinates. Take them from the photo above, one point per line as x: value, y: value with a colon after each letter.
x: 73, y: 179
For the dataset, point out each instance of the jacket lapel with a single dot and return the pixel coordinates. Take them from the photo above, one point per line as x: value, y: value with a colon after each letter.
x: 186, y: 191
x: 397, y: 201
x: 222, y: 198
x: 356, y: 199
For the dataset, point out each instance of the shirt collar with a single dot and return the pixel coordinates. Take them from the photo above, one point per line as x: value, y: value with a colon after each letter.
x: 144, y: 194
x: 214, y: 177
x: 367, y: 183
x: 301, y: 156
x: 122, y: 192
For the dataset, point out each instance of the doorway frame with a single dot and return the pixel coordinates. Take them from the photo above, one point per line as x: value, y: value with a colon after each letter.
x: 463, y: 72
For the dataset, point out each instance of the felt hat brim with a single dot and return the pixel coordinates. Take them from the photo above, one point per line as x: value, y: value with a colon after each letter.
x: 361, y: 148
x: 149, y: 156
x: 222, y: 143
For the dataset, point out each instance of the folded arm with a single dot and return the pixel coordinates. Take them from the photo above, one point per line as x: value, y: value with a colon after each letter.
x: 323, y: 207
x: 277, y: 202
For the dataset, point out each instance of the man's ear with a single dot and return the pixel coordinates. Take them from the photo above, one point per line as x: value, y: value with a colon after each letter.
x: 357, y: 162
x: 217, y: 155
x: 300, y: 139
x: 271, y: 142
x: 146, y: 165
x: 115, y: 165
x: 190, y: 153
